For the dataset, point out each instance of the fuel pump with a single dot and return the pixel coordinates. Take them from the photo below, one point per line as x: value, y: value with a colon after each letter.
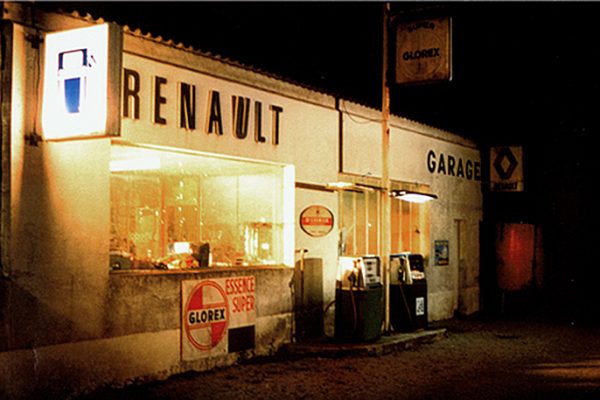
x: 408, y: 292
x: 358, y: 299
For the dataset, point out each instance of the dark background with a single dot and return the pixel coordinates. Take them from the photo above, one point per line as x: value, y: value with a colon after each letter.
x: 523, y: 74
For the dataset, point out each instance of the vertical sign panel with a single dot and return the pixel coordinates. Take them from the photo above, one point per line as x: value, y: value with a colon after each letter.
x: 82, y: 70
x: 506, y: 169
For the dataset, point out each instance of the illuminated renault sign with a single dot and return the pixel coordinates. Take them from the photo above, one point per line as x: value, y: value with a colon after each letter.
x: 82, y: 82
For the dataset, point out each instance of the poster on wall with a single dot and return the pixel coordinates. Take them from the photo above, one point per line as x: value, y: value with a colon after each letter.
x: 218, y: 316
x: 441, y: 252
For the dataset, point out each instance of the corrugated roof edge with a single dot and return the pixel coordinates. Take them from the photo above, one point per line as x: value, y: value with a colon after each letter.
x: 326, y: 99
x: 218, y: 57
x: 396, y: 120
x: 403, y: 123
x: 22, y: 14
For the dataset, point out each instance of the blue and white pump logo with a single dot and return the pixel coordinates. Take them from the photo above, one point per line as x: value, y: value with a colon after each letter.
x: 73, y: 67
x: 77, y: 87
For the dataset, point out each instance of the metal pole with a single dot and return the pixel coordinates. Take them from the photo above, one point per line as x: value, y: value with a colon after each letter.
x: 385, y: 149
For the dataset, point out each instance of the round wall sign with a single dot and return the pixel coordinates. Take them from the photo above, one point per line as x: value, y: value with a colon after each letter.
x: 316, y: 221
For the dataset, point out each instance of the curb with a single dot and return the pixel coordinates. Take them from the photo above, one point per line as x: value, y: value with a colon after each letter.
x: 329, y: 348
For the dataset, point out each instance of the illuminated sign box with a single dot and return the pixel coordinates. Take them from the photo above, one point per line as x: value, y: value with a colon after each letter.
x: 82, y: 71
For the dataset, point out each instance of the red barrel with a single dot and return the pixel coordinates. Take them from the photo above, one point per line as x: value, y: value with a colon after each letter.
x: 518, y: 255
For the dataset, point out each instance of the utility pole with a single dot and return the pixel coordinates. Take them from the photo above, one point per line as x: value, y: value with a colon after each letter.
x: 385, y: 173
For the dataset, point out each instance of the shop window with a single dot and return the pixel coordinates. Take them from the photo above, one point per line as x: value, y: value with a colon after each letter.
x: 176, y: 210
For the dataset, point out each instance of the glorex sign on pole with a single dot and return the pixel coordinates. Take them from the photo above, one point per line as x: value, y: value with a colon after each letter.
x: 423, y: 51
x: 218, y: 316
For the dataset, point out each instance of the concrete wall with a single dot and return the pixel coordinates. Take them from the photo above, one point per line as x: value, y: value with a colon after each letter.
x: 455, y: 217
x: 139, y: 339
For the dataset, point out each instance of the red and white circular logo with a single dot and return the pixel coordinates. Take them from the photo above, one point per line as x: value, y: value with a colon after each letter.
x: 316, y: 221
x: 206, y: 315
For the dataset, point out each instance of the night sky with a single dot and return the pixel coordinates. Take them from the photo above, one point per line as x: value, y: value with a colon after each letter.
x: 524, y: 73
x: 518, y: 67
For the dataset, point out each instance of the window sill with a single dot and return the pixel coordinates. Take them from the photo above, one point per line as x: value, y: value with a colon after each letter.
x: 196, y: 271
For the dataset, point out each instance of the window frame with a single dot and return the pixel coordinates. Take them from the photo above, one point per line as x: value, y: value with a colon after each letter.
x: 280, y: 172
x: 409, y: 222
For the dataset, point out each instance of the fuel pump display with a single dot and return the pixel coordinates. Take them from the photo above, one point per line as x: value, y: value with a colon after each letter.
x: 408, y: 292
x: 358, y: 299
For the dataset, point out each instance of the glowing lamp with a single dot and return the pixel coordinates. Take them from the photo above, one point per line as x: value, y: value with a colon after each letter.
x: 340, y: 185
x: 412, y: 197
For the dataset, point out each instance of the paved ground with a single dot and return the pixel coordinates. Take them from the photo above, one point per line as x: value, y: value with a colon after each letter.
x: 478, y: 359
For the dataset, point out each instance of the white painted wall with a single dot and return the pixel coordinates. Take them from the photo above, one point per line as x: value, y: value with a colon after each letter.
x: 308, y: 135
x: 455, y: 286
x: 59, y: 213
x: 321, y: 247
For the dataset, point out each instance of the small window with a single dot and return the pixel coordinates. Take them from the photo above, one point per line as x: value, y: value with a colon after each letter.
x: 410, y: 227
x: 361, y: 224
x: 360, y: 215
x: 175, y: 210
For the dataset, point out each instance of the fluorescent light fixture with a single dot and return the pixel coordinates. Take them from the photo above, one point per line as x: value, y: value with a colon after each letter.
x: 348, y: 186
x: 340, y: 185
x: 147, y: 163
x: 413, y: 197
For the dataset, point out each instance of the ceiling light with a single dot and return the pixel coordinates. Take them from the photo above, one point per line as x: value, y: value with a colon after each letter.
x: 413, y: 197
x: 340, y: 185
x: 349, y: 186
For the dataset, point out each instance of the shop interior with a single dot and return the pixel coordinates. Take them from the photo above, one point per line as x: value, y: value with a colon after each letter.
x: 173, y: 210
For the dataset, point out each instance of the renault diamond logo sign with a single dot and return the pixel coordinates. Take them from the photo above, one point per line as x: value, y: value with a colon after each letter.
x: 505, y: 163
x: 506, y: 169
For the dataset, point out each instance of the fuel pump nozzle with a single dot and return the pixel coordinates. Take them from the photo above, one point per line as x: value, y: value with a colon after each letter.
x: 406, y: 272
x: 354, y: 276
